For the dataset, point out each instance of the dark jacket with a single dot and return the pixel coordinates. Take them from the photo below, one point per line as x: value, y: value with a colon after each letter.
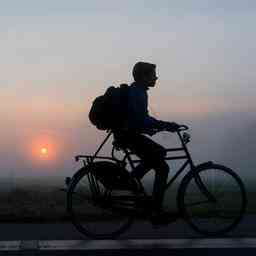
x: 138, y: 118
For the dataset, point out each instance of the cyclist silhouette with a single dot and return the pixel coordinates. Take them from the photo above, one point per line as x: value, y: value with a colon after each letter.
x: 137, y: 123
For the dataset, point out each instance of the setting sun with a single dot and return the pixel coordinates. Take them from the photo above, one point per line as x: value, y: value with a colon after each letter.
x: 44, y: 151
x: 44, y: 148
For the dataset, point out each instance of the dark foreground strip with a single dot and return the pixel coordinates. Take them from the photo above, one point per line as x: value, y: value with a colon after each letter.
x: 236, y: 246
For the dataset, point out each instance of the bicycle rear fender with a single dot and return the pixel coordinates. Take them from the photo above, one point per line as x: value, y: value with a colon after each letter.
x: 69, y: 180
x: 110, y: 174
x: 83, y: 169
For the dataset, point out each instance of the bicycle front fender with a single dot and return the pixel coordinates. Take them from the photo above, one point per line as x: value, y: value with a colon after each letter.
x: 202, y: 165
x: 198, y: 181
x: 187, y: 177
x: 197, y: 168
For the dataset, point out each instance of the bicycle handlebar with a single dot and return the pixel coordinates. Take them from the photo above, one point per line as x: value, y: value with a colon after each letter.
x: 183, y: 127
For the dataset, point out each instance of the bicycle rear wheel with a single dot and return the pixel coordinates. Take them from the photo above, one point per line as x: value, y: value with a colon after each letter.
x: 217, y: 205
x: 104, y: 217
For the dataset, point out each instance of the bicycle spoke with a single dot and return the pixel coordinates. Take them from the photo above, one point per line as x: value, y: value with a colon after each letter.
x: 199, y: 203
x: 216, y: 216
x: 103, y: 215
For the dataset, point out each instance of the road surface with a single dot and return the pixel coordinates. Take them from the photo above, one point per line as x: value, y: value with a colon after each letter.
x: 178, y: 238
x: 66, y: 231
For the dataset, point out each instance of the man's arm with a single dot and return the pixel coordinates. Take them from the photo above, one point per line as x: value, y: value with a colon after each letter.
x: 151, y: 123
x: 141, y: 118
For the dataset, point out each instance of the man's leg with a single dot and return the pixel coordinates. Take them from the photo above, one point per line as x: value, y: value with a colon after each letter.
x: 161, y: 174
x: 140, y: 170
x: 152, y: 154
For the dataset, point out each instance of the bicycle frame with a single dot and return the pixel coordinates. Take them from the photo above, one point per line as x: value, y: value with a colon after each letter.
x: 135, y: 200
x: 187, y: 157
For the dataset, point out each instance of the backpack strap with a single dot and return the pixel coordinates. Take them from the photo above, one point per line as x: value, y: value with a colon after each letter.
x: 124, y: 89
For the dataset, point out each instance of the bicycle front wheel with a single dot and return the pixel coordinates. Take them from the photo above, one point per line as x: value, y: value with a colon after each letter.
x: 101, y: 218
x: 212, y: 199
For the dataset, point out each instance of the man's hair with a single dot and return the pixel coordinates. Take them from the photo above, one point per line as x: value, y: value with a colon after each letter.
x: 141, y: 69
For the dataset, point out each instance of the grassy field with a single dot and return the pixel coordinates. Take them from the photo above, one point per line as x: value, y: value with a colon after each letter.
x: 36, y: 199
x: 43, y: 200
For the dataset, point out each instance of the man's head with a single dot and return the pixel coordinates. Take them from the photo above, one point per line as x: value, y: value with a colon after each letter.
x: 145, y: 73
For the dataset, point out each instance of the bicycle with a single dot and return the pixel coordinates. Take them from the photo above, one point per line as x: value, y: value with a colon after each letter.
x: 103, y: 199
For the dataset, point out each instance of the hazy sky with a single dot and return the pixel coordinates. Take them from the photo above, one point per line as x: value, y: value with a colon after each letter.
x: 56, y: 56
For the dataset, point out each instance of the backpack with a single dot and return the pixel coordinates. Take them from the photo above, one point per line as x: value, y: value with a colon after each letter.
x: 109, y: 110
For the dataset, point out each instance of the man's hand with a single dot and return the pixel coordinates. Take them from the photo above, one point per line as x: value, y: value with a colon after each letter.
x: 151, y: 132
x: 171, y: 126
